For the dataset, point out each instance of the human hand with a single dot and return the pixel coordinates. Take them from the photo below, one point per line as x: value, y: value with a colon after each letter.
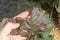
x: 5, y: 33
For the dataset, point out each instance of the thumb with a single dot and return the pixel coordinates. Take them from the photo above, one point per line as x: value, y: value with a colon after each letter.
x: 8, y: 28
x: 23, y: 15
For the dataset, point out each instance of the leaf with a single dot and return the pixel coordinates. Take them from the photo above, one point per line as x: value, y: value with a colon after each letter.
x: 46, y: 33
x: 35, y: 24
x: 58, y: 7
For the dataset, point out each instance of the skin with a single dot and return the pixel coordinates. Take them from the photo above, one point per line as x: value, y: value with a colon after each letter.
x: 5, y: 33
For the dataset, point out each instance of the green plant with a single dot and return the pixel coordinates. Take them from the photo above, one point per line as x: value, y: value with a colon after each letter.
x: 34, y: 25
x: 38, y: 24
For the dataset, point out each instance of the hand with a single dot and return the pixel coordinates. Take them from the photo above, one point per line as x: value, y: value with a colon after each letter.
x: 5, y: 33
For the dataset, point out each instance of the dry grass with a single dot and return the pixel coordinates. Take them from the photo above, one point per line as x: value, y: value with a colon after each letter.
x: 55, y: 32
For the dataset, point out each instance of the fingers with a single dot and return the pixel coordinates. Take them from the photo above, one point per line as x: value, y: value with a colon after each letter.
x: 23, y: 15
x: 9, y: 26
x: 18, y: 37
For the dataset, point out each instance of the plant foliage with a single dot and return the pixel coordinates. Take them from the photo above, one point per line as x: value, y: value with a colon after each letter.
x: 38, y: 27
x: 34, y: 25
x: 38, y: 24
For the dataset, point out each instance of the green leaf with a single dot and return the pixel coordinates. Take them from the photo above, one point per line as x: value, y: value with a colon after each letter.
x: 58, y: 7
x: 35, y: 24
x: 46, y: 34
